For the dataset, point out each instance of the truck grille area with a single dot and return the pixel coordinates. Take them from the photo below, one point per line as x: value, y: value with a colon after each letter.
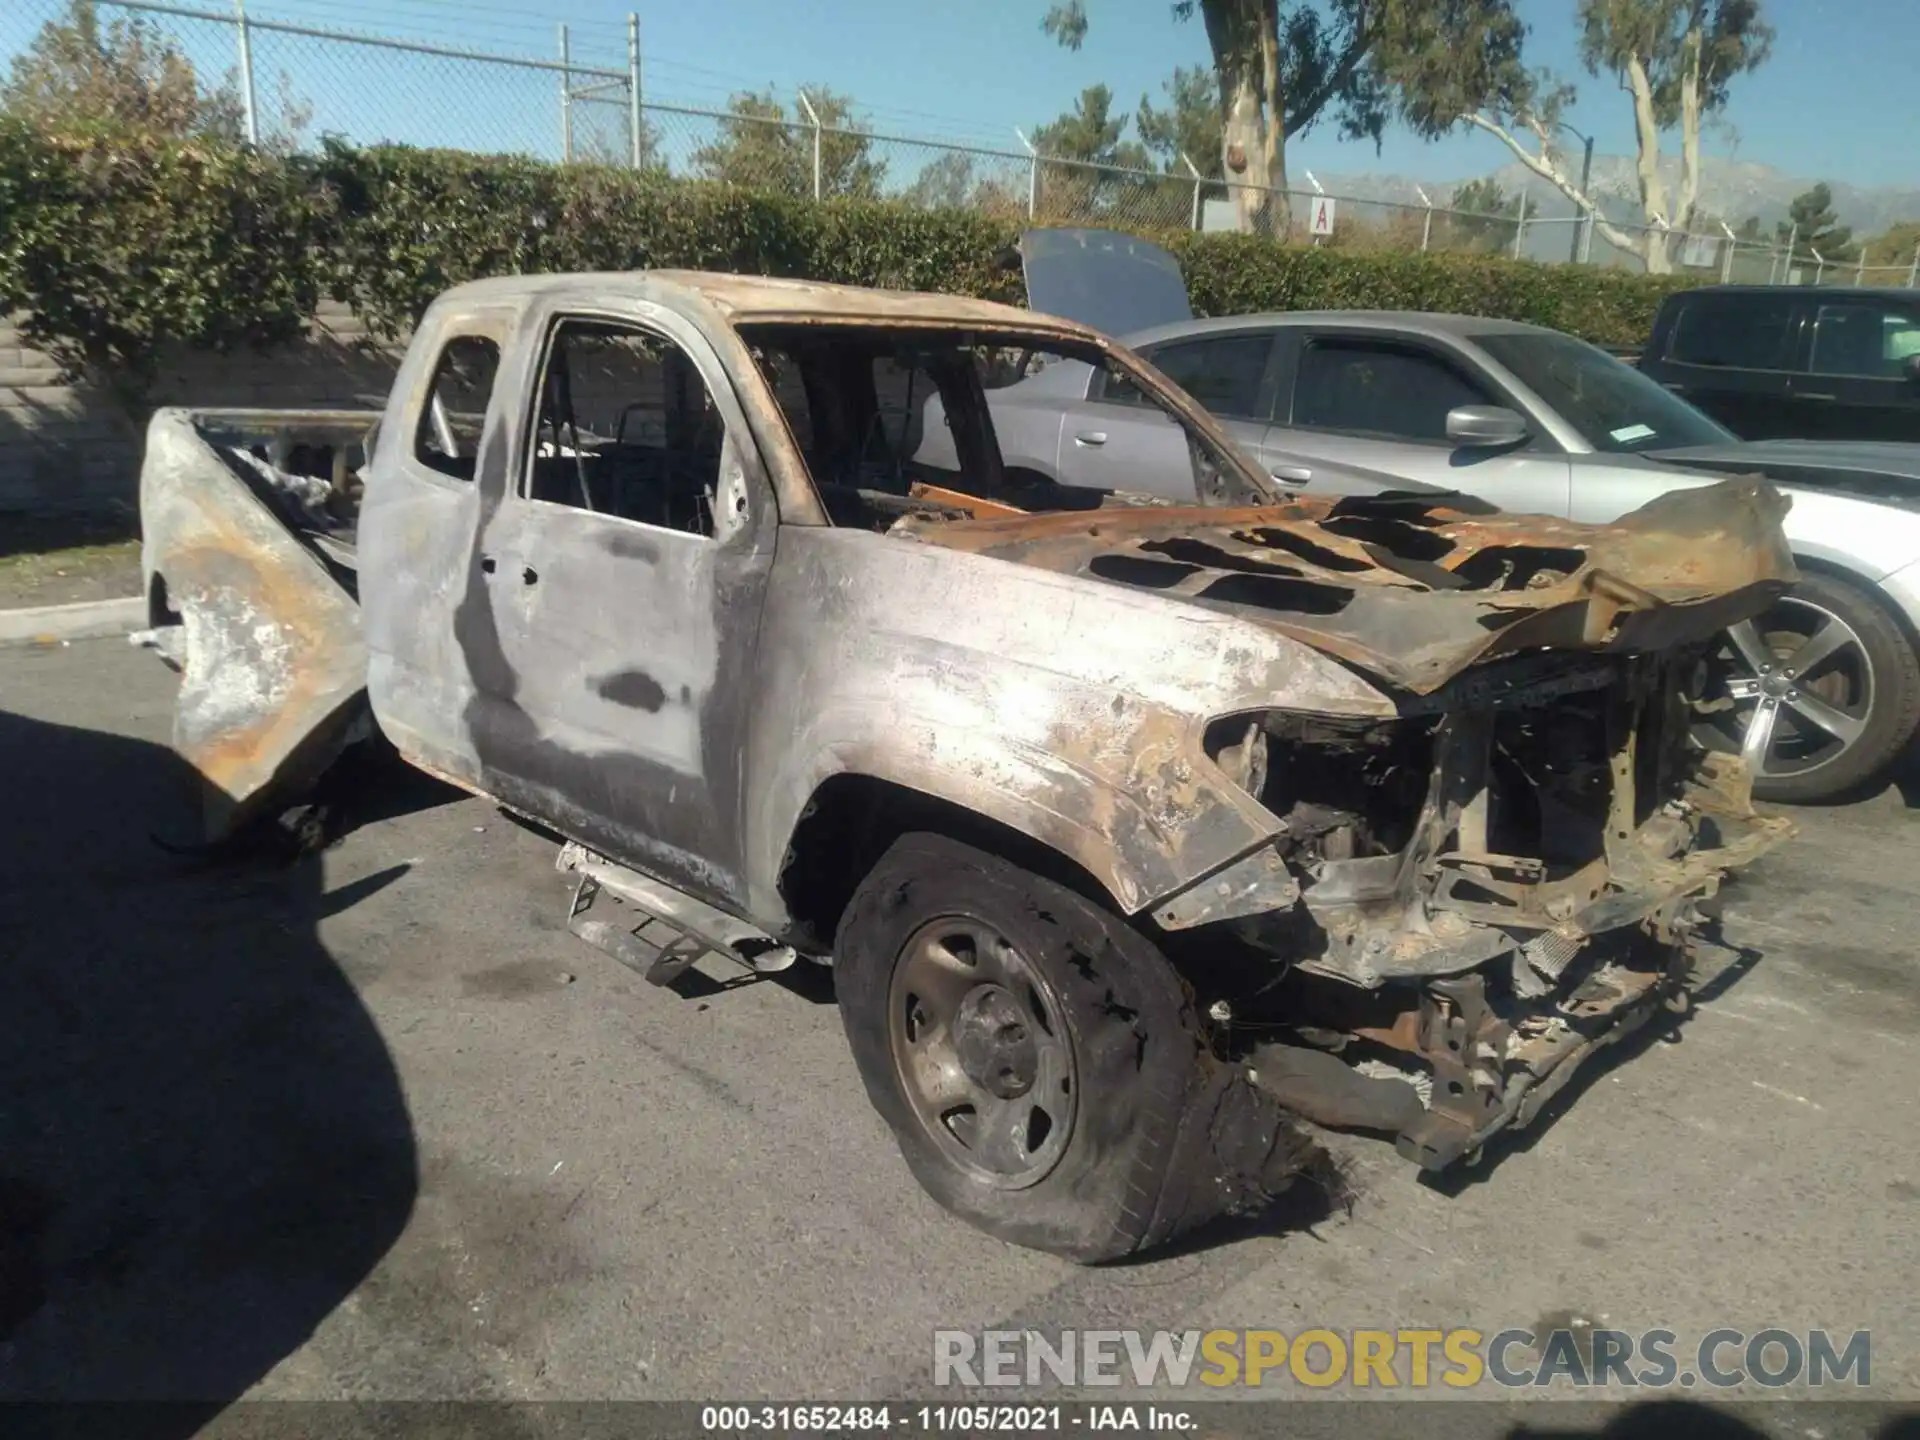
x: 1493, y: 889
x: 1518, y: 814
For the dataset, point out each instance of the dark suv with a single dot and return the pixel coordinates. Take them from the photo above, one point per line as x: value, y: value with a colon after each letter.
x: 1783, y: 362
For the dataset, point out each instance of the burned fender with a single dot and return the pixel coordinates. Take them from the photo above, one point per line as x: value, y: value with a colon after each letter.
x: 1072, y: 711
x: 273, y: 664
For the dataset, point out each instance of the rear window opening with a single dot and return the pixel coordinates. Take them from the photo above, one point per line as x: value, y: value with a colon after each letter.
x: 882, y: 414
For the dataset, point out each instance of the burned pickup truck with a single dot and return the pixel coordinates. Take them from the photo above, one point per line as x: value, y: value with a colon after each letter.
x: 1139, y: 836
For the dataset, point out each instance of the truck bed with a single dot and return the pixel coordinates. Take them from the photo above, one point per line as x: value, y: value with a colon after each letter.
x: 304, y: 465
x: 249, y: 557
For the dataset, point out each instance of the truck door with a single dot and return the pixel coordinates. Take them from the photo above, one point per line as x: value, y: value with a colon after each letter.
x: 1733, y: 354
x: 416, y: 536
x: 623, y: 573
x: 1862, y: 380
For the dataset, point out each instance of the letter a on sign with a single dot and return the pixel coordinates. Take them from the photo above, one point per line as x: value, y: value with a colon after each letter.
x: 1322, y: 216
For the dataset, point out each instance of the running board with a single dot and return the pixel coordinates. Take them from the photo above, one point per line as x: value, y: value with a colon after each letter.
x: 655, y: 929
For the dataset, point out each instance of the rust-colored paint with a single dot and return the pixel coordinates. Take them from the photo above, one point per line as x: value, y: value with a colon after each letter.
x: 974, y: 505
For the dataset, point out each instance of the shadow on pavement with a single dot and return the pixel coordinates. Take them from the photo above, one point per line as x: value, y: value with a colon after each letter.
x: 204, y: 1146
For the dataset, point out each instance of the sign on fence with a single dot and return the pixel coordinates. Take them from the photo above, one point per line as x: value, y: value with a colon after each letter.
x: 1220, y: 215
x: 1701, y: 252
x: 1322, y: 223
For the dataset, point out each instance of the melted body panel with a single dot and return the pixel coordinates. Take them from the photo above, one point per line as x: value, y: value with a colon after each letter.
x: 273, y: 662
x: 1416, y: 588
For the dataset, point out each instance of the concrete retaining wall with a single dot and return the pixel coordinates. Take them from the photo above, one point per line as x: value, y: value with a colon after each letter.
x: 65, y: 448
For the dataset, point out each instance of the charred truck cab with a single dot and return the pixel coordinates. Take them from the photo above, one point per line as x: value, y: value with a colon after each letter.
x: 731, y: 582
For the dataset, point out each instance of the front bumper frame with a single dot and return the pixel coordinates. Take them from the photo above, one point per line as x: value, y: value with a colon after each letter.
x: 1501, y: 978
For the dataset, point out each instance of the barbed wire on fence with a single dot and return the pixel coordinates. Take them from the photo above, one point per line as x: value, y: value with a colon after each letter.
x: 296, y: 82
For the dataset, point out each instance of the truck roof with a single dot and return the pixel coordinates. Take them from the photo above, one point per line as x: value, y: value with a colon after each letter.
x: 759, y: 299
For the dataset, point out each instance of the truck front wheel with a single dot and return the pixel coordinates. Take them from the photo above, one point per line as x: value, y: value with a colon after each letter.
x: 1039, y: 1060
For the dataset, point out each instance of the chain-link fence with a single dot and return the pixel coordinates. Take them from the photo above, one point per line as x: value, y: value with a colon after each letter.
x: 287, y: 84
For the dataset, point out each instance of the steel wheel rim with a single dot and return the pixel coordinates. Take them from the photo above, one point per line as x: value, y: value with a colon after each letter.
x: 981, y: 1050
x: 1802, y: 687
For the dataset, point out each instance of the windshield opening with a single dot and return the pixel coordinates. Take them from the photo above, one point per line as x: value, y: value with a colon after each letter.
x: 1615, y: 408
x: 894, y: 420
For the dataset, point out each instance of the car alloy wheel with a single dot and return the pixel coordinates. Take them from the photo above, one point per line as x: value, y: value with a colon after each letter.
x: 1801, y: 685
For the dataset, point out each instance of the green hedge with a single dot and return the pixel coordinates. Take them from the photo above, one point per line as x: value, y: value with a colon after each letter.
x: 1238, y: 274
x: 115, y: 245
x: 111, y: 246
x: 409, y: 223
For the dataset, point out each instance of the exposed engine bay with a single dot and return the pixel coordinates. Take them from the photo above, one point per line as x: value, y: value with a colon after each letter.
x: 1488, y: 896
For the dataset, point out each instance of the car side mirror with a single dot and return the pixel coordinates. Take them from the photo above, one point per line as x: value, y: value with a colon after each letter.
x: 1490, y: 425
x: 1910, y: 367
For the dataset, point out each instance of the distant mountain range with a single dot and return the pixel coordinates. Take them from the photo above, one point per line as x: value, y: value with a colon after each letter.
x: 1732, y: 190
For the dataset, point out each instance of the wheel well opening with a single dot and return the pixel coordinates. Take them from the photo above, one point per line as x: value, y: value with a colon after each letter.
x: 1829, y: 570
x: 851, y: 820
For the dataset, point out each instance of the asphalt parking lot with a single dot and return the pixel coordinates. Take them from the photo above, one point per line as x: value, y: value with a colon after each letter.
x: 373, y: 1125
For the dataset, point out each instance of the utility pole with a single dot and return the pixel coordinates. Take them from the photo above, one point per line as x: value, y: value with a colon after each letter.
x: 566, y: 97
x: 251, y: 113
x: 813, y: 116
x: 635, y: 124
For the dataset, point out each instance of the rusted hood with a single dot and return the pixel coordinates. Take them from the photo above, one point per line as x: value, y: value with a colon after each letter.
x: 1416, y: 588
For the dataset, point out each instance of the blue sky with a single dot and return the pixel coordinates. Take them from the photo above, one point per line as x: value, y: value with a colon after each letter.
x: 1831, y: 104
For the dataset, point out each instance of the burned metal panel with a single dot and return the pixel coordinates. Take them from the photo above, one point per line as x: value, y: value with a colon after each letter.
x: 1656, y: 822
x: 273, y: 661
x: 419, y: 545
x: 1415, y: 589
x: 1067, y: 709
x: 592, y: 671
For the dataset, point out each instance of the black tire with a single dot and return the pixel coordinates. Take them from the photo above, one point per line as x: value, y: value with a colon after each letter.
x: 1805, y: 765
x: 1159, y: 1136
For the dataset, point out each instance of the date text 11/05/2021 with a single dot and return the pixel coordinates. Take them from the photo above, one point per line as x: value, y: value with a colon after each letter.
x: 961, y: 1419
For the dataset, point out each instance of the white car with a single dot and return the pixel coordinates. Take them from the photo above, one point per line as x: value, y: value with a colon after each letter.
x: 1822, y: 692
